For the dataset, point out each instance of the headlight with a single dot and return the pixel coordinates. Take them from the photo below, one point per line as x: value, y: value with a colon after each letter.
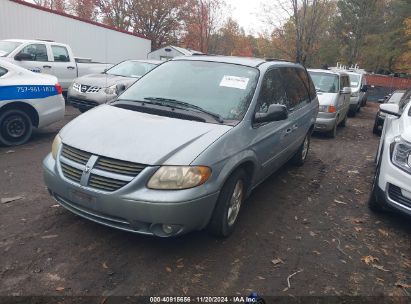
x: 111, y: 90
x: 354, y: 94
x: 179, y: 177
x: 55, y: 146
x: 401, y: 154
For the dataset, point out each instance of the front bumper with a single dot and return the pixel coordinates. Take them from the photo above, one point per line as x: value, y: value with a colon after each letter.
x: 323, y: 124
x: 126, y: 209
x: 396, y: 185
x: 87, y: 101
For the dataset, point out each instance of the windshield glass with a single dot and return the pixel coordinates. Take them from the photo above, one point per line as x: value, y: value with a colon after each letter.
x: 354, y: 80
x: 131, y: 69
x: 6, y: 47
x: 220, y: 88
x: 395, y: 97
x: 325, y: 82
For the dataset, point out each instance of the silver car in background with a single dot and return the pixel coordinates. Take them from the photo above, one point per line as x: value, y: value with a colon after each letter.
x: 183, y: 147
x: 333, y: 90
x: 92, y: 90
x: 359, y: 92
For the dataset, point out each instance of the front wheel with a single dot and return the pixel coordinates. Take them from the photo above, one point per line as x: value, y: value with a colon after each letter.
x: 344, y: 122
x: 333, y: 132
x: 228, y: 205
x: 302, y: 152
x: 375, y: 203
x: 15, y: 127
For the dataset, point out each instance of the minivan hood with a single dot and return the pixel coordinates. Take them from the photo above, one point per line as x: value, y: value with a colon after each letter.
x: 105, y: 80
x: 139, y: 137
x: 326, y: 99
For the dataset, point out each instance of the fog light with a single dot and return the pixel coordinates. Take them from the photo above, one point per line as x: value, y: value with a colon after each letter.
x: 169, y: 229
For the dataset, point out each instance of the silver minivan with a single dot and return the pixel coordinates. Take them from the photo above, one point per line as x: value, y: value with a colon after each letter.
x: 183, y: 147
x: 333, y: 89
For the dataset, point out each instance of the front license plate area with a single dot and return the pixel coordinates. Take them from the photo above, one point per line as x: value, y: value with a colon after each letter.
x: 83, y: 198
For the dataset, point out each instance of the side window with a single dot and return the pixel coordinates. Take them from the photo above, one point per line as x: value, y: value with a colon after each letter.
x: 297, y: 93
x: 272, y: 91
x: 60, y: 53
x: 37, y: 52
x: 345, y: 82
x: 404, y: 100
x: 308, y: 84
x: 3, y: 72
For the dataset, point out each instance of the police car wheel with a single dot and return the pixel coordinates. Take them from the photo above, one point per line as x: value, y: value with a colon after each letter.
x: 15, y: 128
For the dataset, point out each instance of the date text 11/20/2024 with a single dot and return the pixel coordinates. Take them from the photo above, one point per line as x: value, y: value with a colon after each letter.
x: 207, y: 299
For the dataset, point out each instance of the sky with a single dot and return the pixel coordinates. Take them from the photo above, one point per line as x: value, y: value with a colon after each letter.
x: 244, y: 12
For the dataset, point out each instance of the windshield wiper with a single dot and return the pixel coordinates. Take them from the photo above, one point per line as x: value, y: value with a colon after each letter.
x: 184, y: 105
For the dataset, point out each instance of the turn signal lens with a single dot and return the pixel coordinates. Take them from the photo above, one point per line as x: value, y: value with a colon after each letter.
x: 331, y: 109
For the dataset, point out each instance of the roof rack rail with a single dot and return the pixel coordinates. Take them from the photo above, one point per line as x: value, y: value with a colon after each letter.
x: 276, y: 59
x: 45, y: 40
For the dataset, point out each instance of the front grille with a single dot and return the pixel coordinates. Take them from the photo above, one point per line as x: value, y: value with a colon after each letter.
x: 71, y: 173
x: 106, y: 174
x: 118, y: 166
x: 75, y: 155
x: 82, y: 88
x: 396, y: 195
x: 82, y: 104
x: 105, y: 183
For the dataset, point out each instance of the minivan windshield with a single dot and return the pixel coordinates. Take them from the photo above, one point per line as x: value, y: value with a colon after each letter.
x: 354, y: 80
x: 6, y: 47
x: 220, y: 88
x: 131, y: 69
x: 325, y: 82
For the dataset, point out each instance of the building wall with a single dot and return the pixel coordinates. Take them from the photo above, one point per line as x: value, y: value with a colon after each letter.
x: 87, y: 40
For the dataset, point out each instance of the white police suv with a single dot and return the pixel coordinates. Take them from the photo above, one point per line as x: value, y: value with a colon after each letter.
x: 27, y: 100
x: 392, y: 182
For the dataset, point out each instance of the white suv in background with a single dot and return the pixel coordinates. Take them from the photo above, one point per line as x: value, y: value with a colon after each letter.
x: 392, y: 181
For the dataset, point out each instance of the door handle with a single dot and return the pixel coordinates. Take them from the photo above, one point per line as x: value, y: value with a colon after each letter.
x: 295, y: 127
x: 70, y: 68
x: 47, y: 66
x: 288, y: 131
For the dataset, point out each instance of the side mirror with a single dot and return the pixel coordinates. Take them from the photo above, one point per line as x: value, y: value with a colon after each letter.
x: 23, y: 57
x: 391, y: 109
x: 364, y: 88
x: 121, y: 88
x: 346, y: 90
x: 275, y: 112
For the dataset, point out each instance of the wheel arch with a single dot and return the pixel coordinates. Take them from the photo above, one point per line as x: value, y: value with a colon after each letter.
x: 23, y: 106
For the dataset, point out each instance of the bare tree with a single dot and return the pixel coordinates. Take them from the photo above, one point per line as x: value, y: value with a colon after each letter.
x: 114, y: 13
x: 305, y: 21
x: 58, y: 5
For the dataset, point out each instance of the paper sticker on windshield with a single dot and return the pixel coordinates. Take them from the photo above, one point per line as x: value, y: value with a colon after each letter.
x: 234, y: 82
x: 354, y: 84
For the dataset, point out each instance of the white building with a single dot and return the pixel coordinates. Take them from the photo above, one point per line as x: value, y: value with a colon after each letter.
x: 88, y: 39
x: 168, y: 52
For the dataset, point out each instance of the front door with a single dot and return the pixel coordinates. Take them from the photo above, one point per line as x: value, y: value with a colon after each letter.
x: 63, y: 66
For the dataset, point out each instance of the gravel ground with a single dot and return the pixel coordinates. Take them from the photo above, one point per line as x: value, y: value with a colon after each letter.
x: 310, y: 224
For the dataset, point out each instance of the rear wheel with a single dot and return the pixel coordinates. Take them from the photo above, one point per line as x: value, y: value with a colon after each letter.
x: 333, y: 133
x: 228, y: 205
x: 302, y: 152
x: 344, y: 121
x: 15, y: 127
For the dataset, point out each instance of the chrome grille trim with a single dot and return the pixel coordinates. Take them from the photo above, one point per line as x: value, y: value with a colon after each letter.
x: 97, y: 172
x: 71, y: 173
x: 75, y: 155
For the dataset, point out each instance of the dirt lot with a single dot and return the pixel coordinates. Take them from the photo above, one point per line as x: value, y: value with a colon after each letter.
x: 312, y: 222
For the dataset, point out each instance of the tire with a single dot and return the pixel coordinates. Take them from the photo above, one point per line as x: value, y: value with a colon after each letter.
x: 352, y: 113
x: 358, y: 107
x: 333, y: 133
x: 15, y: 127
x: 228, y: 205
x: 375, y: 129
x: 82, y: 110
x: 343, y: 123
x: 375, y: 203
x: 301, y: 155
